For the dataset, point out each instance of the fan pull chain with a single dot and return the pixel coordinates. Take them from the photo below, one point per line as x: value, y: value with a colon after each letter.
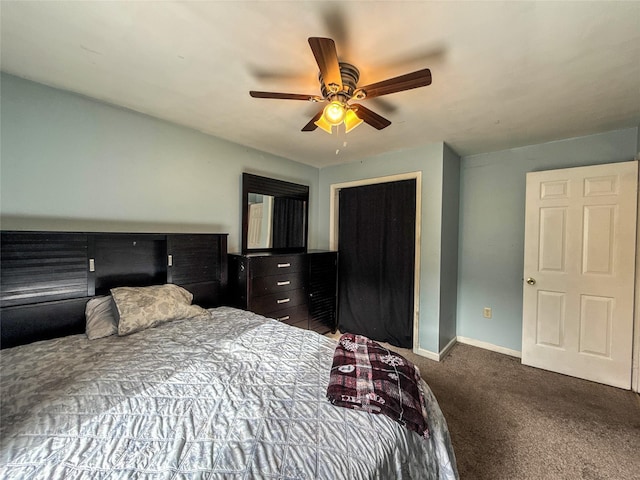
x: 341, y: 134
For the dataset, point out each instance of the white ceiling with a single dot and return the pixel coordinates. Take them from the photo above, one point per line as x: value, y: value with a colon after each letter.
x: 504, y: 74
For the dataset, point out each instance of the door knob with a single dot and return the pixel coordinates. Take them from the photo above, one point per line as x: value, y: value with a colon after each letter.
x: 531, y: 281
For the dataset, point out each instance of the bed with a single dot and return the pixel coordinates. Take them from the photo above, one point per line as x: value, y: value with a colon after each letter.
x: 224, y: 394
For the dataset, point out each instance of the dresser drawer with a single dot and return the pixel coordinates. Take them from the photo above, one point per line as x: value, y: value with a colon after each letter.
x: 276, y: 283
x: 296, y: 316
x: 277, y: 265
x: 278, y: 301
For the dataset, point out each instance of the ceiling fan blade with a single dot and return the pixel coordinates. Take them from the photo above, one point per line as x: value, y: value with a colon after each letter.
x: 419, y: 56
x: 324, y: 49
x: 276, y: 75
x: 311, y: 126
x: 286, y: 96
x: 421, y: 78
x: 336, y: 22
x: 370, y: 117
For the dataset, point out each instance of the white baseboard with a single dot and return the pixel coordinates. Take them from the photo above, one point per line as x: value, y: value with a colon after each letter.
x: 467, y: 341
x: 489, y: 346
x: 435, y: 356
x: 427, y: 354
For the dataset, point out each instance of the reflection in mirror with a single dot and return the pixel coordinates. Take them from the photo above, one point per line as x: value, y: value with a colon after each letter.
x: 260, y: 215
x: 275, y: 222
x: 289, y: 217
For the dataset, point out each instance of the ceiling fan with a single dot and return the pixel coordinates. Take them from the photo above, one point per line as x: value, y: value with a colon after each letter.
x: 338, y: 85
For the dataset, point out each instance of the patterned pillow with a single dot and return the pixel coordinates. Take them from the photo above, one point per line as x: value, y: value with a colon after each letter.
x: 101, y: 319
x: 139, y: 308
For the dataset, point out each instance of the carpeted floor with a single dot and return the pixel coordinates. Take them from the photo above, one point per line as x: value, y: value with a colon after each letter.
x: 509, y: 421
x: 512, y: 422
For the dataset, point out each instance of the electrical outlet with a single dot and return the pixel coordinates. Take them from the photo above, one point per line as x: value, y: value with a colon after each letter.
x: 486, y: 312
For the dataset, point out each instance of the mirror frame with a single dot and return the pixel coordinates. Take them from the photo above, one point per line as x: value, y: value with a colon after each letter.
x: 276, y: 188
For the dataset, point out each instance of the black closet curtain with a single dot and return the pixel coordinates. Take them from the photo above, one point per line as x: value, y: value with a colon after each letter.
x: 288, y: 222
x: 376, y: 241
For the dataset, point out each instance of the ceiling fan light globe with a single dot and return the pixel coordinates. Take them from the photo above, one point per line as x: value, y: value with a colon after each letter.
x: 351, y: 121
x: 334, y: 113
x: 324, y: 125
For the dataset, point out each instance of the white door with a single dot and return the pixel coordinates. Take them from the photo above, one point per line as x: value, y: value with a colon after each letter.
x: 254, y: 229
x: 579, y: 271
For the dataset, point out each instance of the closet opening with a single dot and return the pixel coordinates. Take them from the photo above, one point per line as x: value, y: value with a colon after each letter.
x: 375, y: 226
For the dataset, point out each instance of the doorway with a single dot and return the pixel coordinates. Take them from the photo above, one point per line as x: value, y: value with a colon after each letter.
x: 375, y: 226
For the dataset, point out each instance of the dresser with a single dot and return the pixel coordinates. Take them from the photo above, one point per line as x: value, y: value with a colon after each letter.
x: 299, y: 289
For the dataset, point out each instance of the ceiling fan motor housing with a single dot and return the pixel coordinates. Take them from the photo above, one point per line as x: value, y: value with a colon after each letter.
x: 350, y: 76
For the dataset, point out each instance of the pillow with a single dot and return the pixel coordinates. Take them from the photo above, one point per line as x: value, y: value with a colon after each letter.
x: 138, y: 308
x: 101, y: 319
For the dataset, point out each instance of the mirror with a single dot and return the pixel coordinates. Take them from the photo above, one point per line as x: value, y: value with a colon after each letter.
x: 274, y: 215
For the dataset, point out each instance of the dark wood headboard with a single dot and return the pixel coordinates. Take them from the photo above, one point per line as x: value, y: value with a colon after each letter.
x: 46, y: 278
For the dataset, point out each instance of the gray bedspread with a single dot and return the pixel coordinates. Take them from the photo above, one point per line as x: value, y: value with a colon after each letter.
x: 233, y: 396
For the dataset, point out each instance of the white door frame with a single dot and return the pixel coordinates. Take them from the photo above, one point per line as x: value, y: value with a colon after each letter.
x: 635, y: 362
x: 334, y: 206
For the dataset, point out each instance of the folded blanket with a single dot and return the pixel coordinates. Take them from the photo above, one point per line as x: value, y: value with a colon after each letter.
x: 367, y: 376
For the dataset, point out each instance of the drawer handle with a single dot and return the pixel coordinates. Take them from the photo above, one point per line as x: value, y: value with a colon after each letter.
x: 280, y: 284
x: 284, y: 319
x: 284, y: 265
x: 283, y: 300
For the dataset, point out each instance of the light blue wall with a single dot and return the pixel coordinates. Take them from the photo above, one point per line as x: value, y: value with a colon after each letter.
x: 72, y: 163
x: 428, y: 160
x: 491, y: 241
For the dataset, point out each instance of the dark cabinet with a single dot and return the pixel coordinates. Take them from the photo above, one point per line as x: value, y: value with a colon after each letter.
x: 298, y: 289
x: 197, y: 262
x: 322, y: 285
x: 125, y: 259
x: 191, y: 260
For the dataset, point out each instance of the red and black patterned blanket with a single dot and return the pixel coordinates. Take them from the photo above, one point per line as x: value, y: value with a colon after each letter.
x: 367, y: 376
